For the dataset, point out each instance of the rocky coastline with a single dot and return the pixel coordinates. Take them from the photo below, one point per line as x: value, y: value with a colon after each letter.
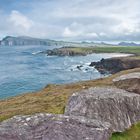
x: 67, y: 51
x: 114, y: 65
x: 90, y: 110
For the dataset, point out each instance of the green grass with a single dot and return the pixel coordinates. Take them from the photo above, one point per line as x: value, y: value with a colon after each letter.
x: 113, y: 49
x: 131, y: 134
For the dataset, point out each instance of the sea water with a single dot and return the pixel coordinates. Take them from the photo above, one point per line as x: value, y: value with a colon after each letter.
x: 23, y: 69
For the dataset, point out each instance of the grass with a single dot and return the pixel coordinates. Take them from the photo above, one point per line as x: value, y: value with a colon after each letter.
x: 131, y: 134
x: 112, y: 49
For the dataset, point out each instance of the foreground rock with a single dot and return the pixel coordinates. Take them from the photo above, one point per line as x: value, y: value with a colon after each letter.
x: 53, y: 127
x: 129, y: 82
x: 116, y: 106
x: 114, y: 65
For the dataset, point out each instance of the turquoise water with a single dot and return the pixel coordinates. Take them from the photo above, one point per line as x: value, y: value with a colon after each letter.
x: 22, y: 70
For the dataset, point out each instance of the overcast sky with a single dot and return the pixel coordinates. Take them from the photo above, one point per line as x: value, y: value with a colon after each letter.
x: 92, y: 20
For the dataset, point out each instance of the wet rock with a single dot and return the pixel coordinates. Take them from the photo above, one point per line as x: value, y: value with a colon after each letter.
x: 53, y: 127
x: 116, y: 106
x: 79, y: 67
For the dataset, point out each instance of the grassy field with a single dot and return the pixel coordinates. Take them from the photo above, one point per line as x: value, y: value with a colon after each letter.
x: 112, y: 49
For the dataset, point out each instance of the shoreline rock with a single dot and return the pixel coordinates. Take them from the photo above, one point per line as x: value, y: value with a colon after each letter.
x: 69, y: 51
x: 114, y: 65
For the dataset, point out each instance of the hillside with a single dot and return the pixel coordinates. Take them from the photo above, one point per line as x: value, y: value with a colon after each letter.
x: 25, y: 40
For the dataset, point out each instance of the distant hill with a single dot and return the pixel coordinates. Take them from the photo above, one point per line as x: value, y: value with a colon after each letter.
x: 25, y: 40
x: 128, y: 44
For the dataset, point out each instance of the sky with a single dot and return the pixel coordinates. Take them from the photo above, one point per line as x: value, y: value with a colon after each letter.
x: 72, y: 20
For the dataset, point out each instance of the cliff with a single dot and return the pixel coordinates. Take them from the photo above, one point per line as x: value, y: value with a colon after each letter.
x: 68, y: 51
x: 25, y: 40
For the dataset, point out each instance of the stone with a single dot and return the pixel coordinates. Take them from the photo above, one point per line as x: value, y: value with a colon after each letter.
x: 108, y: 104
x: 114, y: 65
x: 129, y: 82
x: 54, y: 127
x: 134, y: 75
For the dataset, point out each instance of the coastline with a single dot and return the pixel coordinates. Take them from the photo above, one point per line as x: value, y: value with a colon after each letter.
x: 53, y: 98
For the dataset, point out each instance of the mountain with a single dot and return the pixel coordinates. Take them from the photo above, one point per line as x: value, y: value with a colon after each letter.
x: 25, y: 40
x: 128, y: 44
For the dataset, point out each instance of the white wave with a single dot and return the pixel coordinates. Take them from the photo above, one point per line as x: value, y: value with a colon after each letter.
x: 34, y: 53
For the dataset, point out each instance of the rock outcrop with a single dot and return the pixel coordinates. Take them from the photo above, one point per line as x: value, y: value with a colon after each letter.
x: 116, y: 106
x: 65, y: 51
x: 129, y: 82
x: 114, y: 65
x: 53, y: 127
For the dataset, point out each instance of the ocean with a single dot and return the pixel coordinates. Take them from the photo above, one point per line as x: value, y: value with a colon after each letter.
x: 23, y: 70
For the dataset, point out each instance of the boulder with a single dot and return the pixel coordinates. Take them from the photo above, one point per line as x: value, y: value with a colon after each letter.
x: 129, y: 82
x: 53, y: 127
x: 134, y: 75
x: 108, y: 104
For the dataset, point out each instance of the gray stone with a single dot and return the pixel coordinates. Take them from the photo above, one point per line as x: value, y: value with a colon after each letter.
x: 107, y: 104
x: 134, y: 75
x: 129, y: 82
x: 53, y: 127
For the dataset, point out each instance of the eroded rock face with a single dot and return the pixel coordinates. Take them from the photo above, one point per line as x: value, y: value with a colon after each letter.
x: 116, y: 106
x: 53, y: 127
x: 129, y: 82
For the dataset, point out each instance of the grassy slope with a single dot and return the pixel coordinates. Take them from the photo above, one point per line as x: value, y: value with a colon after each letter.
x: 53, y: 98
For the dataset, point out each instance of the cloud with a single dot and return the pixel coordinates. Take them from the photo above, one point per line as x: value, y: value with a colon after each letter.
x: 80, y: 31
x: 101, y: 20
x: 20, y: 21
x: 126, y: 27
